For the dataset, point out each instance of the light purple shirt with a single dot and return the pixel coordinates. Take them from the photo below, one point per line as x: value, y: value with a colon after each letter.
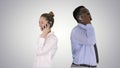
x: 82, y: 41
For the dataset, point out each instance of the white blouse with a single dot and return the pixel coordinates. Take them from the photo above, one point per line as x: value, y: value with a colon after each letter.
x: 46, y: 48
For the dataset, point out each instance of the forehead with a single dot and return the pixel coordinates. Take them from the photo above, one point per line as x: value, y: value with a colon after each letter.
x: 42, y: 18
x: 84, y: 11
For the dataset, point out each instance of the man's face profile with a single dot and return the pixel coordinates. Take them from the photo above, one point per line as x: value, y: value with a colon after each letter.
x: 85, y: 16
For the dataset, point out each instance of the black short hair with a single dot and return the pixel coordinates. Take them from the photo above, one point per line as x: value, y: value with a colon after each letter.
x: 76, y: 13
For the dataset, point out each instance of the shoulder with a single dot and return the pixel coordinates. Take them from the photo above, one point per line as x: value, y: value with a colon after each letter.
x: 52, y: 36
x: 75, y: 29
x: 90, y: 27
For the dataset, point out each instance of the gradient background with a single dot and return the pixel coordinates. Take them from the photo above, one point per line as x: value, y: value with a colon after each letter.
x: 19, y: 30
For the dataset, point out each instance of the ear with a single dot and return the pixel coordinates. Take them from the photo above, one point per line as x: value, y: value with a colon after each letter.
x: 90, y: 17
x: 80, y: 18
x: 50, y: 22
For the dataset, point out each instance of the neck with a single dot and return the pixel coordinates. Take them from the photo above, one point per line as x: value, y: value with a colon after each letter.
x: 49, y: 31
x: 85, y: 23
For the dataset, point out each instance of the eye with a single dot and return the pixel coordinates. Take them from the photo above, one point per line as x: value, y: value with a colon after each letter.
x: 41, y: 22
x: 88, y: 13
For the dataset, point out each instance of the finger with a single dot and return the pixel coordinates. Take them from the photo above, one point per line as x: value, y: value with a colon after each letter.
x: 41, y: 28
x: 44, y: 27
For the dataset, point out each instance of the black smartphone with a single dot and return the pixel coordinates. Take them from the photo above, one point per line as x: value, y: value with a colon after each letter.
x: 45, y: 26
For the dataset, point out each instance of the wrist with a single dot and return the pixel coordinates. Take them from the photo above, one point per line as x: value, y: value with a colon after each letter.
x: 43, y: 35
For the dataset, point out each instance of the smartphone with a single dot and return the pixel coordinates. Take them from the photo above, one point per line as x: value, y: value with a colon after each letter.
x: 45, y: 26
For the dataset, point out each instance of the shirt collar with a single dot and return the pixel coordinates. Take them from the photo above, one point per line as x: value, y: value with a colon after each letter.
x: 84, y: 26
x: 50, y: 33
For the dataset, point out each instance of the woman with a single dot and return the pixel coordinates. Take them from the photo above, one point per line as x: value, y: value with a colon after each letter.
x: 47, y: 42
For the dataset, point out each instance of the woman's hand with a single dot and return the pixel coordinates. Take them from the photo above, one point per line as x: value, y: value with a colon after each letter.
x: 46, y: 30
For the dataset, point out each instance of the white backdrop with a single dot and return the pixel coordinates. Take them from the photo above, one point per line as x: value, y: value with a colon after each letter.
x: 19, y: 30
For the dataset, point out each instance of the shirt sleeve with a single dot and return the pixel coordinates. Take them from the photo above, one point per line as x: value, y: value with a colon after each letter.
x: 75, y: 44
x: 47, y: 45
x: 82, y: 38
x: 41, y: 42
x: 90, y: 35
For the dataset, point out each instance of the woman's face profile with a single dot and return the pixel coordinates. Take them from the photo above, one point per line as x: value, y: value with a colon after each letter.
x: 42, y: 22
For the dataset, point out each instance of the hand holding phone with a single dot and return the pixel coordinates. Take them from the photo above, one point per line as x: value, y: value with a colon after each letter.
x: 46, y: 30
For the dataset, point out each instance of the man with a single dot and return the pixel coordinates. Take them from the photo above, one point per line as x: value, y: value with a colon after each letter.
x: 83, y: 40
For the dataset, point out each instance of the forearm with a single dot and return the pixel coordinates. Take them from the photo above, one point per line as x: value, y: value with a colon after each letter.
x: 48, y: 45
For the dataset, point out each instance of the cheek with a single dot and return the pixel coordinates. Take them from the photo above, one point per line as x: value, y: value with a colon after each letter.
x: 86, y: 18
x: 45, y: 22
x: 41, y: 24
